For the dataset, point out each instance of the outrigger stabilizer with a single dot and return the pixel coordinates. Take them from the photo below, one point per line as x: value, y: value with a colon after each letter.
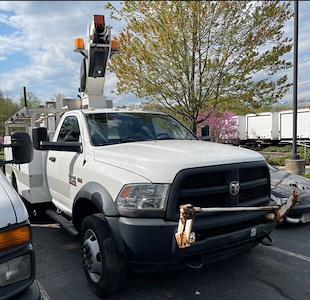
x: 185, y: 237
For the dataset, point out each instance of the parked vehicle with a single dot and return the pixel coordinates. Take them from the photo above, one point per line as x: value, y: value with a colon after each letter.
x: 273, y: 127
x: 117, y: 177
x: 262, y: 127
x: 282, y: 186
x: 303, y: 124
x: 17, y: 263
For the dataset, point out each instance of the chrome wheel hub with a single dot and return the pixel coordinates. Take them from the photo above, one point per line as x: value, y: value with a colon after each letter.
x: 91, y: 256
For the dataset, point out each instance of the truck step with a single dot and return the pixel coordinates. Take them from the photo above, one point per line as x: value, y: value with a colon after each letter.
x: 63, y: 222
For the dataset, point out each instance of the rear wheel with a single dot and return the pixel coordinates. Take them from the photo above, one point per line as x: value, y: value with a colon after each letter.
x: 103, y: 266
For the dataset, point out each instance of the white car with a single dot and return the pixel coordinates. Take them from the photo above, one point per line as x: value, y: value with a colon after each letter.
x: 17, y: 262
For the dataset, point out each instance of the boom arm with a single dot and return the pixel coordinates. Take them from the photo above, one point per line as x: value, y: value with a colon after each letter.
x: 96, y: 52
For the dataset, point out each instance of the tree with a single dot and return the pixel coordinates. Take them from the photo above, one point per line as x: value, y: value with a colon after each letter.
x: 32, y: 100
x: 7, y: 109
x: 194, y: 56
x: 223, y: 126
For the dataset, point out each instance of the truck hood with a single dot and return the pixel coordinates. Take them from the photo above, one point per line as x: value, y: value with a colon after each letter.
x: 160, y: 161
x: 12, y: 209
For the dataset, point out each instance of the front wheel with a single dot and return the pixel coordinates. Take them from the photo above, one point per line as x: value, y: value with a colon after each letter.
x: 103, y: 266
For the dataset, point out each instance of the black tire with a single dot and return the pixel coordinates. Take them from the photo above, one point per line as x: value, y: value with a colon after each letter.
x: 113, y: 270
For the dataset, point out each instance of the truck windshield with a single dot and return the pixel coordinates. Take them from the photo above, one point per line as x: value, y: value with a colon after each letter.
x: 115, y: 128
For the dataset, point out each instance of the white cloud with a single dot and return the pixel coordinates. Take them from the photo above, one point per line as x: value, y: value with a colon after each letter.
x: 45, y: 32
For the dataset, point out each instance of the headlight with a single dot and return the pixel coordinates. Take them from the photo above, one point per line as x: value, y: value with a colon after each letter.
x: 15, y: 270
x: 143, y: 196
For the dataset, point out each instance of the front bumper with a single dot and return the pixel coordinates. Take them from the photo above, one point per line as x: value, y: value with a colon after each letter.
x: 32, y: 293
x: 15, y: 290
x: 303, y: 206
x: 149, y: 244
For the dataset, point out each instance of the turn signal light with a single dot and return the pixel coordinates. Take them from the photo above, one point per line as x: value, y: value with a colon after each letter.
x: 15, y: 237
x: 79, y: 44
x: 115, y: 45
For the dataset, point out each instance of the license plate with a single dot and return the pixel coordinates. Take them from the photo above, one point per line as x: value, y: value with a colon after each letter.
x: 253, y: 232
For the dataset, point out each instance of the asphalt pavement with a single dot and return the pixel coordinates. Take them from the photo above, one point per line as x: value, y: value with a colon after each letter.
x: 281, y: 271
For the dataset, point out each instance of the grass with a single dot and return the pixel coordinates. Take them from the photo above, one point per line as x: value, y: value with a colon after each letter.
x: 277, y: 161
x: 307, y: 176
x: 280, y: 160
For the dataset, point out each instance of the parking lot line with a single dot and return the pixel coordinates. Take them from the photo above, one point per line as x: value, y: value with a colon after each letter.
x: 44, y: 294
x: 289, y: 253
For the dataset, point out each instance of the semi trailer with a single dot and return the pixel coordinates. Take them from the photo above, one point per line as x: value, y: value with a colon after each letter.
x: 273, y: 127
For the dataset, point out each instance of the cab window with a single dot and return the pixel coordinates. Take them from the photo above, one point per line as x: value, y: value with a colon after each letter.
x: 69, y: 131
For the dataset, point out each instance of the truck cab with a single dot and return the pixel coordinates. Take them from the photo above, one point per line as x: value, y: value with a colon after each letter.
x: 17, y: 261
x: 121, y: 176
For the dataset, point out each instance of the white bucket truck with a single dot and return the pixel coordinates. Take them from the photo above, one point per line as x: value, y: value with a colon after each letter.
x: 117, y: 177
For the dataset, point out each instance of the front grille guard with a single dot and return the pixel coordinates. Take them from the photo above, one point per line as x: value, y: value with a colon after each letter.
x: 209, y: 194
x: 185, y: 237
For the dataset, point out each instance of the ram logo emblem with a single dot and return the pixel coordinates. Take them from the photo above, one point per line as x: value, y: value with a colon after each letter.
x: 234, y: 188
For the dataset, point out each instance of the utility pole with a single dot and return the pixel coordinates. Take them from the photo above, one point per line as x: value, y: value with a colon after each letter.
x: 25, y: 97
x: 295, y: 165
x: 295, y: 82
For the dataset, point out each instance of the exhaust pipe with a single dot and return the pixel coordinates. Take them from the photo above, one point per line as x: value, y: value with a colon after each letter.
x: 267, y: 241
x: 194, y: 263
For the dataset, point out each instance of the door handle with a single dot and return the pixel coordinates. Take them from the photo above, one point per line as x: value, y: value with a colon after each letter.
x: 52, y: 159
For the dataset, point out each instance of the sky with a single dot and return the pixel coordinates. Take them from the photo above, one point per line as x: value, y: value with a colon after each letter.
x: 36, y: 48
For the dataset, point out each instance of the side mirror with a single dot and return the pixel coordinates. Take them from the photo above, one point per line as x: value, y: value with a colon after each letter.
x: 205, y: 133
x: 41, y: 143
x: 39, y: 135
x: 21, y: 145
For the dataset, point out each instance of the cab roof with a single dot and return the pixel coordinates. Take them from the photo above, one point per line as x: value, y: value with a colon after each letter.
x: 118, y: 110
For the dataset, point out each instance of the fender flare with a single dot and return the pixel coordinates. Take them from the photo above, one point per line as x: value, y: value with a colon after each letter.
x: 99, y: 196
x: 102, y: 200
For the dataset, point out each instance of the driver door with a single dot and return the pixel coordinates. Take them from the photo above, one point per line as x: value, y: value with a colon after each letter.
x: 60, y: 165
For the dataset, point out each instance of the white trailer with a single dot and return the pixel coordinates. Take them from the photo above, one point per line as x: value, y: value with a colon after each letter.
x: 303, y: 124
x: 262, y: 126
x: 241, y: 127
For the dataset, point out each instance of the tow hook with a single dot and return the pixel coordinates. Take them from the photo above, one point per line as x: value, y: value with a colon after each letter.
x: 267, y: 241
x: 194, y: 263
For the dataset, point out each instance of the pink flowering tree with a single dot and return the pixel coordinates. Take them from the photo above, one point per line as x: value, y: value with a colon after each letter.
x: 223, y: 126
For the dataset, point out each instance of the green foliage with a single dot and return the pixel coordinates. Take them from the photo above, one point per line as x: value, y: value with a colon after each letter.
x: 7, y: 109
x: 277, y: 161
x: 32, y: 100
x: 280, y: 160
x: 195, y: 56
x: 282, y: 149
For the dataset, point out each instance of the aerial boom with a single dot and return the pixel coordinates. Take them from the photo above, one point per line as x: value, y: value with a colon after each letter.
x: 96, y: 52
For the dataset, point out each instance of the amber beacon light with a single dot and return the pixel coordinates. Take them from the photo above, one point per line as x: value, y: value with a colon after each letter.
x: 79, y: 44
